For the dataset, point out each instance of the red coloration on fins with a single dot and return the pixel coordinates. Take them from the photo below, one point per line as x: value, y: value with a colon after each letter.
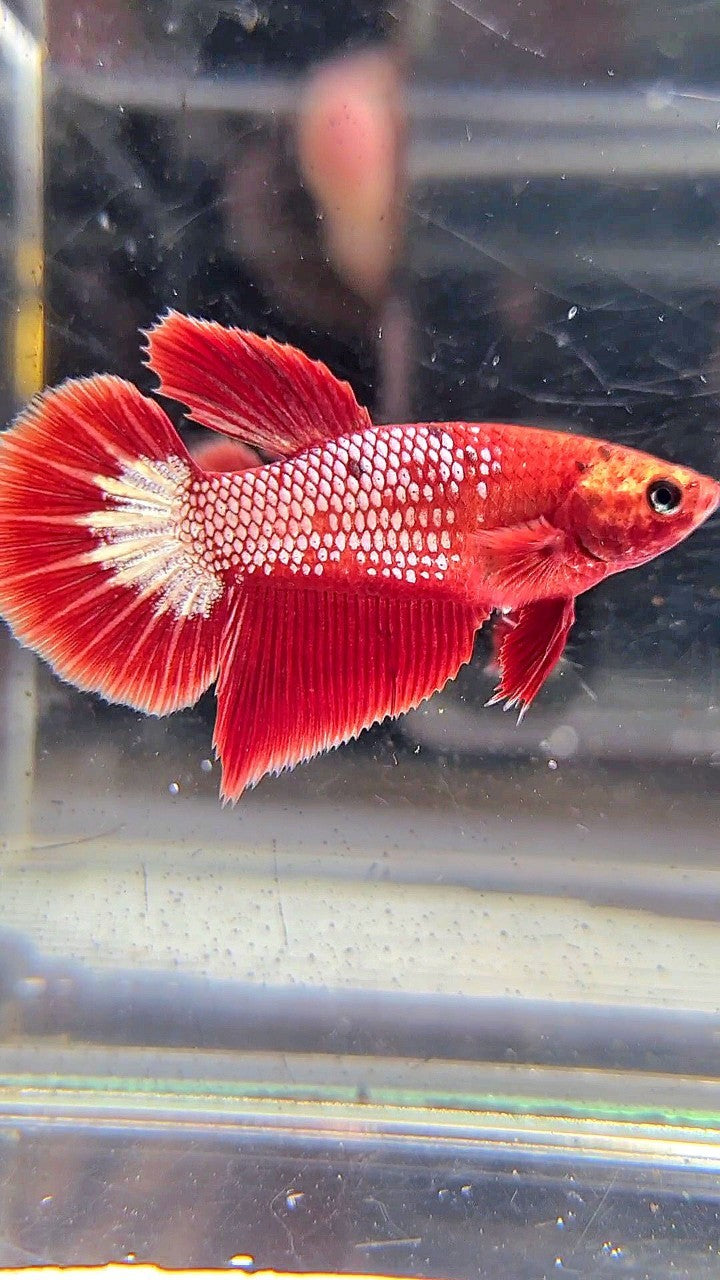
x: 342, y: 582
x: 225, y: 455
x: 523, y: 559
x: 259, y: 390
x: 528, y: 645
x: 302, y: 670
x: 92, y: 572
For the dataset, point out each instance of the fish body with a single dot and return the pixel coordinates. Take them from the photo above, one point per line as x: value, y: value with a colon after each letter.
x: 401, y: 507
x: 341, y: 580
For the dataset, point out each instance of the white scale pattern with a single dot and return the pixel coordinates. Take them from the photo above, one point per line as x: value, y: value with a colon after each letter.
x: 143, y: 539
x: 385, y: 499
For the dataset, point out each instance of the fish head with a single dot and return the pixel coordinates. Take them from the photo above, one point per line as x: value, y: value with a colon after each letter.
x: 627, y: 507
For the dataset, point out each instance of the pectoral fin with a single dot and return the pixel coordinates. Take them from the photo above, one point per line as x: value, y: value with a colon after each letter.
x: 520, y: 562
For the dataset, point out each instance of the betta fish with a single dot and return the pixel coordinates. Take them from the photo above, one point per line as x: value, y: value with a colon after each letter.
x: 322, y: 571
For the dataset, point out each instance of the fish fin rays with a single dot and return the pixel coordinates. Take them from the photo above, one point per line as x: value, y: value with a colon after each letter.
x: 94, y: 574
x: 303, y: 670
x: 260, y: 391
x: 529, y: 643
x: 523, y: 558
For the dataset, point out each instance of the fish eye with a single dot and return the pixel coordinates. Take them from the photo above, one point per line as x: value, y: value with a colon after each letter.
x: 665, y: 497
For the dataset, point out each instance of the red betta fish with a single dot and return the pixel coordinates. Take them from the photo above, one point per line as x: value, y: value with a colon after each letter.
x: 340, y: 582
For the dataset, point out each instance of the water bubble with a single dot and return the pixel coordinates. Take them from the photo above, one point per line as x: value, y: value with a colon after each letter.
x: 241, y: 1260
x: 206, y: 766
x: 104, y: 220
x: 552, y: 764
x: 572, y: 313
x: 174, y: 788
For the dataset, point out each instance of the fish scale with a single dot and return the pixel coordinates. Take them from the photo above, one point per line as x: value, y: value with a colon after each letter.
x: 394, y: 517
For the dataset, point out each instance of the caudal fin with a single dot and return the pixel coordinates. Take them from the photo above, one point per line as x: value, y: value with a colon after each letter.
x: 101, y: 569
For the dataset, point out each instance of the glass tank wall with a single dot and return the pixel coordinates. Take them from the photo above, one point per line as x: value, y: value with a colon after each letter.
x: 446, y: 1001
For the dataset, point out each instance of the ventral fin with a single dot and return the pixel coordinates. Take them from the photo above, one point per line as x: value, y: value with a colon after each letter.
x: 225, y: 455
x: 255, y: 389
x: 529, y: 643
x: 516, y: 563
x: 303, y: 670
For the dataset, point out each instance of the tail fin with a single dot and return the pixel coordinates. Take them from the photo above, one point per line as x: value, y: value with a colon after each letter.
x: 102, y: 568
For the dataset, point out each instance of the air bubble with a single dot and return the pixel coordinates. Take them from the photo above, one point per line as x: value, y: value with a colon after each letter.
x: 174, y: 788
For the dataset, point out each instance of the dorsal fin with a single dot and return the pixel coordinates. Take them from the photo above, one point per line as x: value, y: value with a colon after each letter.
x: 255, y: 389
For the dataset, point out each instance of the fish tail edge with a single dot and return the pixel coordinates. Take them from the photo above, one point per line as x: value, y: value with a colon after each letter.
x: 98, y: 571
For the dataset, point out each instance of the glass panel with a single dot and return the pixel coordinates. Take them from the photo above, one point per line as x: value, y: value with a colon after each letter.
x: 442, y: 1002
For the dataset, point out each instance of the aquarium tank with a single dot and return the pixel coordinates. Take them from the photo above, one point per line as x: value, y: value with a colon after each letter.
x: 444, y: 1002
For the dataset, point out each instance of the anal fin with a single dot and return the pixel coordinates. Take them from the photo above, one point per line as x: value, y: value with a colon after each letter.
x: 529, y: 643
x: 303, y: 670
